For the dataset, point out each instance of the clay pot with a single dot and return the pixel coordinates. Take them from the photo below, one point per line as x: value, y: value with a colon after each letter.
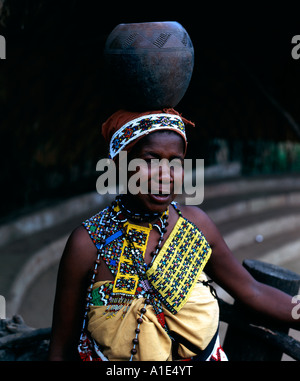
x: 149, y: 65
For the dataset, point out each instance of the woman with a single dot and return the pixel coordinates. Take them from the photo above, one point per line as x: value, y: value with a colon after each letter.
x: 131, y: 284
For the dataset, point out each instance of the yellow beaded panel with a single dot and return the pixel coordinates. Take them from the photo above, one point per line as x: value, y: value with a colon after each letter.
x: 178, y: 265
x: 127, y: 280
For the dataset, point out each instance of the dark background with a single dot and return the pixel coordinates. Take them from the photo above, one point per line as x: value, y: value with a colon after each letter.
x: 52, y: 99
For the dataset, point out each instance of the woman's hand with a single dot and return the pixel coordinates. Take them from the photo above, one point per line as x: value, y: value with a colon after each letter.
x: 225, y: 270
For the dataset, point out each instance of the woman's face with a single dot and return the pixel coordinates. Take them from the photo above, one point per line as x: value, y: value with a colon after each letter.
x: 160, y: 180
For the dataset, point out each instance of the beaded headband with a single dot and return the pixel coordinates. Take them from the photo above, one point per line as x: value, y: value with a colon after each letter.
x: 143, y: 125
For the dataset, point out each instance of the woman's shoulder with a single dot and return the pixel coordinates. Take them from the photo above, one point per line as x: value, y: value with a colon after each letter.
x: 80, y: 252
x: 199, y: 218
x: 80, y: 238
x: 194, y: 214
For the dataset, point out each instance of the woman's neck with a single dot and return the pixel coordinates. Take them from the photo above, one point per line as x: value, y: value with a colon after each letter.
x: 133, y: 212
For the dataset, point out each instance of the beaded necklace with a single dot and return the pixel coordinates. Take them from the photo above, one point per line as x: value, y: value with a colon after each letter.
x: 134, y: 216
x: 120, y: 216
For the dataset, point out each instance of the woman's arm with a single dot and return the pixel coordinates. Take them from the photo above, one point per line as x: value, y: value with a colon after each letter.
x: 76, y: 261
x: 224, y: 268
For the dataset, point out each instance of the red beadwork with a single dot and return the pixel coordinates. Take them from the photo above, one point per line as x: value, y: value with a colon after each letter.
x: 161, y: 319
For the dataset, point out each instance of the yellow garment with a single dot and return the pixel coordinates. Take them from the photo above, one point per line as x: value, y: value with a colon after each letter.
x: 197, y: 321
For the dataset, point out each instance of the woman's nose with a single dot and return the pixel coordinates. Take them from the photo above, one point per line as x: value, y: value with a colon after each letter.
x: 161, y: 176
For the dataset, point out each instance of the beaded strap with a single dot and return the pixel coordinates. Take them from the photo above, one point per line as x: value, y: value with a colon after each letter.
x: 178, y: 265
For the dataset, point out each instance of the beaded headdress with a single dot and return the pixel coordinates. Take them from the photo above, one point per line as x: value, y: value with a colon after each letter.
x: 124, y: 128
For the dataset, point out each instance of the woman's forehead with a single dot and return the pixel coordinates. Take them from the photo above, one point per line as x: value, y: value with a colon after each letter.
x: 160, y: 140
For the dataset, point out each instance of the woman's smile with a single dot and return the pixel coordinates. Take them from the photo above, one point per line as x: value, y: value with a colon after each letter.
x: 164, y: 153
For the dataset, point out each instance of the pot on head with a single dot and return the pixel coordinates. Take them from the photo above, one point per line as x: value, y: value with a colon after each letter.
x: 148, y: 65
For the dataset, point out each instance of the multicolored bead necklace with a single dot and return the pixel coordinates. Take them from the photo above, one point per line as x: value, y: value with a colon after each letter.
x: 133, y: 216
